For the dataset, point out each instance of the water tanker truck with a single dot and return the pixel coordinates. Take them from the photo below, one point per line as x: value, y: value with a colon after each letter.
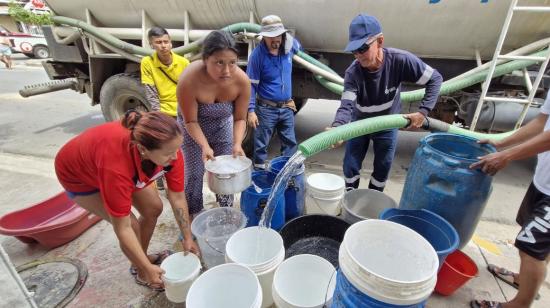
x: 97, y: 46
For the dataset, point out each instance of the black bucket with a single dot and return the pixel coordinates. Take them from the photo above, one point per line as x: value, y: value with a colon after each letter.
x: 319, y: 235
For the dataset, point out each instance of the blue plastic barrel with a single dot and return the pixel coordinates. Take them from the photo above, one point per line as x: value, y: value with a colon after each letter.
x: 253, y: 202
x: 295, y: 192
x: 348, y: 296
x: 434, y: 228
x: 440, y: 180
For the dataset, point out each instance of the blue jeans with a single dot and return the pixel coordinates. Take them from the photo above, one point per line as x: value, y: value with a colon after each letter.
x: 384, y: 143
x: 273, y: 119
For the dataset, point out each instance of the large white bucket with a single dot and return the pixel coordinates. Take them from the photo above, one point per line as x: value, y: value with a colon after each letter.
x: 388, y: 262
x: 261, y: 250
x: 228, y: 285
x: 213, y: 228
x: 324, y: 192
x: 304, y: 281
x: 179, y: 273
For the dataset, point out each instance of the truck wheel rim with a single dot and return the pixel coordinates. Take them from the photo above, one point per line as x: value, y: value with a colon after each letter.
x: 126, y: 102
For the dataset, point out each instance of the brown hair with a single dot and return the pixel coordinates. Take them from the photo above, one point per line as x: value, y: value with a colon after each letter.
x: 150, y: 129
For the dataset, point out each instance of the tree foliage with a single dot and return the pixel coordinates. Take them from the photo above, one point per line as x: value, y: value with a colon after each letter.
x: 19, y: 13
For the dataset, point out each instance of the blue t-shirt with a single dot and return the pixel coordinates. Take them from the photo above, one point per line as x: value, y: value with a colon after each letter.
x: 370, y: 94
x: 271, y: 76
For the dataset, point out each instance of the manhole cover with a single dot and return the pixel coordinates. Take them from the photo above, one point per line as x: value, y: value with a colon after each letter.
x: 53, y: 282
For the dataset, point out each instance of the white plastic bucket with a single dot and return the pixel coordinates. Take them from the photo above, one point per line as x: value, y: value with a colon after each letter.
x: 261, y: 250
x: 228, y: 285
x: 361, y: 204
x: 213, y: 228
x: 324, y: 192
x: 388, y: 262
x: 304, y: 281
x: 179, y: 273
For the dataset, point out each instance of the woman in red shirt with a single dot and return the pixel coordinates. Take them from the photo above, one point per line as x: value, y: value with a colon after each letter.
x: 109, y: 168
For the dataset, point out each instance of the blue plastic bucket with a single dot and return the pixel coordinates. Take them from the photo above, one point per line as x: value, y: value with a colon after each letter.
x: 434, y: 228
x: 384, y: 264
x: 295, y: 191
x: 253, y: 202
x: 348, y: 296
x: 440, y: 180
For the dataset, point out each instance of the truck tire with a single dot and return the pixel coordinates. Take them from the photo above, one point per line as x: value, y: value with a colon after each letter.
x: 121, y: 93
x: 41, y: 52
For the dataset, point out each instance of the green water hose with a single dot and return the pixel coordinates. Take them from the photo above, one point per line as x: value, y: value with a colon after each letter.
x: 410, y: 96
x: 138, y: 50
x: 325, y: 140
x: 446, y: 88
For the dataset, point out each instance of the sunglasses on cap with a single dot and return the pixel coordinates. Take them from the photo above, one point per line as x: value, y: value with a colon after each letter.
x: 363, y: 48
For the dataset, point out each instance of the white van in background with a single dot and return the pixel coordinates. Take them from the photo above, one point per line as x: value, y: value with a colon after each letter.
x: 33, y: 46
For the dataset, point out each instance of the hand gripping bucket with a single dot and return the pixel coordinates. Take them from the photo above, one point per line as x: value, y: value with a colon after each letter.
x: 384, y: 264
x: 261, y: 250
x: 213, y: 228
x: 324, y: 193
x: 228, y: 286
x: 295, y: 192
x: 180, y: 271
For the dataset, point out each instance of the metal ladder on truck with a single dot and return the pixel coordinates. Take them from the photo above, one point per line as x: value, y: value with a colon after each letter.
x: 532, y: 88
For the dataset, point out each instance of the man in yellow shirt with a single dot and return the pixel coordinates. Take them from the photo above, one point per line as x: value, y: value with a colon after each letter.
x: 159, y: 75
x: 160, y: 72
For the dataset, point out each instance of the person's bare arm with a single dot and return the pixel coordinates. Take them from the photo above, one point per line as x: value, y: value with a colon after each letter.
x: 131, y: 247
x: 188, y: 104
x: 536, y: 141
x: 178, y: 202
x: 525, y: 132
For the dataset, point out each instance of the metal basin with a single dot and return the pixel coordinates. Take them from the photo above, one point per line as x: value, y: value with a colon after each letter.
x: 228, y: 175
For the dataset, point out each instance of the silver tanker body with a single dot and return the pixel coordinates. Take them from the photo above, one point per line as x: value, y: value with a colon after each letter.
x: 446, y: 33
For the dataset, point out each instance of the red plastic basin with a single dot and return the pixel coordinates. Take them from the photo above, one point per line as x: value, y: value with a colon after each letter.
x: 457, y: 269
x: 51, y: 223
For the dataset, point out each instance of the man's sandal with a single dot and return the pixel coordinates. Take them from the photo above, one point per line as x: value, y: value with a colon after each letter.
x: 505, y: 276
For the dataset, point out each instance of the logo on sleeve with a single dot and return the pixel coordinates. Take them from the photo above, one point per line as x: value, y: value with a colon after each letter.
x: 388, y: 91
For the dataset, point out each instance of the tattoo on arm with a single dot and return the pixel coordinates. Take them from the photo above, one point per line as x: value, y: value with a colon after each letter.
x: 180, y: 218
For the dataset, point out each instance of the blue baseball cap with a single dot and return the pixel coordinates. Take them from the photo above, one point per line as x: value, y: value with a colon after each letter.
x: 362, y: 28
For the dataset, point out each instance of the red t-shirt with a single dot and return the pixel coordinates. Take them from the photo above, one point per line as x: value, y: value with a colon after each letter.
x: 103, y: 158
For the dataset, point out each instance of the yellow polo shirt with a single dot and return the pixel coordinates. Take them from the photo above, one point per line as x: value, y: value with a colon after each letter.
x: 152, y: 74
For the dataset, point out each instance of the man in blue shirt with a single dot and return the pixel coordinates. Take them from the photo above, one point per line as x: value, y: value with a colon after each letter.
x: 271, y: 106
x: 372, y: 86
